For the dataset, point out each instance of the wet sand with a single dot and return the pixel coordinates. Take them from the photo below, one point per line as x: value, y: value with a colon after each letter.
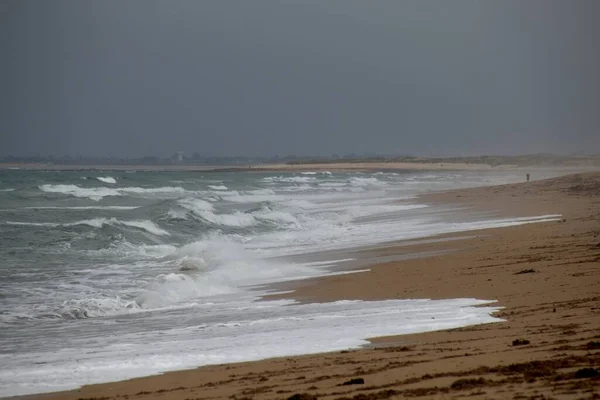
x: 545, y: 275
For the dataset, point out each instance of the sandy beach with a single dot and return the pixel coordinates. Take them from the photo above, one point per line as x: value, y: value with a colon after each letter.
x: 420, y: 166
x: 545, y: 275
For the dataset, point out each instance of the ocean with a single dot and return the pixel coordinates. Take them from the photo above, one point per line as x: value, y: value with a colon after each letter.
x: 109, y: 275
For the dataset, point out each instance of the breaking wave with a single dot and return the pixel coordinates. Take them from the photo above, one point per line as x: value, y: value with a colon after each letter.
x: 218, y: 187
x: 204, y: 210
x: 209, y: 267
x: 119, y: 208
x: 366, y: 182
x: 289, y: 179
x: 145, y: 225
x: 107, y: 179
x: 98, y: 193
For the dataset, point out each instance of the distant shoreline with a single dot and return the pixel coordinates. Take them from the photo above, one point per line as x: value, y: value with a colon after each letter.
x: 303, y: 167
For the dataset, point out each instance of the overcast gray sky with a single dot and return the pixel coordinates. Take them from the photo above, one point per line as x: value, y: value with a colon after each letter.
x: 432, y: 77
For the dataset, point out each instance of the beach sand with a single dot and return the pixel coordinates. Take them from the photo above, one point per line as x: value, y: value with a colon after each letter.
x: 545, y: 275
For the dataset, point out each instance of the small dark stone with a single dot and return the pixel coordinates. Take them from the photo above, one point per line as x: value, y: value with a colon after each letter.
x: 587, y: 373
x: 355, y: 381
x: 520, y: 342
x: 302, y: 396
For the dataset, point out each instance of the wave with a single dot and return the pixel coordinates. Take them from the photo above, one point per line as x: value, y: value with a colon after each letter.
x: 366, y: 182
x: 205, y: 210
x: 177, y: 288
x: 251, y: 196
x: 160, y: 190
x: 212, y: 266
x: 177, y: 215
x: 315, y: 173
x: 7, y: 190
x: 16, y: 223
x: 237, y: 219
x: 218, y: 187
x: 73, y: 309
x: 196, y: 205
x: 146, y: 225
x: 333, y: 184
x: 95, y: 307
x: 267, y: 214
x: 119, y: 208
x: 98, y: 193
x: 127, y: 250
x: 107, y: 179
x: 289, y: 179
x: 216, y: 265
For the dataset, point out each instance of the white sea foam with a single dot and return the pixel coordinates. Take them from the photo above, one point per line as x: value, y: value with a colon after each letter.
x: 95, y: 307
x: 236, y: 219
x: 196, y: 205
x: 168, y: 190
x: 107, y: 179
x: 177, y: 214
x: 228, y: 334
x: 338, y: 232
x: 204, y: 210
x: 366, y: 182
x: 129, y: 251
x: 333, y: 184
x: 252, y: 196
x: 289, y: 179
x: 7, y: 190
x: 276, y: 216
x: 17, y: 223
x: 116, y: 208
x: 177, y: 288
x: 146, y: 225
x: 218, y: 187
x: 98, y: 193
x: 214, y: 266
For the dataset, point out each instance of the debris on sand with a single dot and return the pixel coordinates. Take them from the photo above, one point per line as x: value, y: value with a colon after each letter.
x: 520, y: 342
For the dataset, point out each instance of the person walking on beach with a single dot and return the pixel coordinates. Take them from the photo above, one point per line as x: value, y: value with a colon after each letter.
x: 527, y: 176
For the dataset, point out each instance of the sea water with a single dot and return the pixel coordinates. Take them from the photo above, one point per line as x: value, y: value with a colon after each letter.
x: 108, y: 275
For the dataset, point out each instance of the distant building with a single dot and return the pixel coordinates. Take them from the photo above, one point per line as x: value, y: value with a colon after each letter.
x: 178, y: 156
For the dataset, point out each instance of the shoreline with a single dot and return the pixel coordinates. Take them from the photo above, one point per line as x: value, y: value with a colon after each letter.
x: 554, y: 306
x: 317, y: 167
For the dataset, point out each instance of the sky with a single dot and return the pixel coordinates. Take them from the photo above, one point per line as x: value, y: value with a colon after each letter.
x: 423, y: 77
